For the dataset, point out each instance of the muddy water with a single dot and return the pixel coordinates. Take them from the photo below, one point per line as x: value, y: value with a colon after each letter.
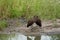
x: 24, y: 37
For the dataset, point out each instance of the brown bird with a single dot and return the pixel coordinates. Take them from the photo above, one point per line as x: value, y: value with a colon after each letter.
x: 36, y: 20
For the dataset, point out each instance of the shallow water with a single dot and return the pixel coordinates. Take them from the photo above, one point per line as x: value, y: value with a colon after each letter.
x: 24, y: 37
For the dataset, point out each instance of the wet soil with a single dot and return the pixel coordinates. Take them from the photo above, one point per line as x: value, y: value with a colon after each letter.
x: 19, y: 26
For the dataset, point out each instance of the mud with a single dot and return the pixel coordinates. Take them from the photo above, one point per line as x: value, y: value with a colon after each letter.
x: 16, y: 26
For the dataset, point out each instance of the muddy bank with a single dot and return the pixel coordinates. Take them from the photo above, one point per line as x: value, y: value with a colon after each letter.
x: 27, y: 31
x: 19, y: 26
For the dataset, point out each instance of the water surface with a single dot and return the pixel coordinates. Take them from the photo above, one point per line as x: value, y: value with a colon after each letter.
x: 24, y: 37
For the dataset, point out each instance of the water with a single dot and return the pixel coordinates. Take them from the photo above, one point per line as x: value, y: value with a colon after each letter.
x: 24, y: 37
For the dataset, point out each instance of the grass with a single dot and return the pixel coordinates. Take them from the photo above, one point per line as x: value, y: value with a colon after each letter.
x: 45, y: 9
x: 3, y: 24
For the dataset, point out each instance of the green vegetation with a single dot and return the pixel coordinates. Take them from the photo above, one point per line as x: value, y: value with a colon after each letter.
x: 3, y: 24
x: 45, y: 9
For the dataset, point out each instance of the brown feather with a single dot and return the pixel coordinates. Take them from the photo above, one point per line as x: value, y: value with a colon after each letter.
x: 36, y: 20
